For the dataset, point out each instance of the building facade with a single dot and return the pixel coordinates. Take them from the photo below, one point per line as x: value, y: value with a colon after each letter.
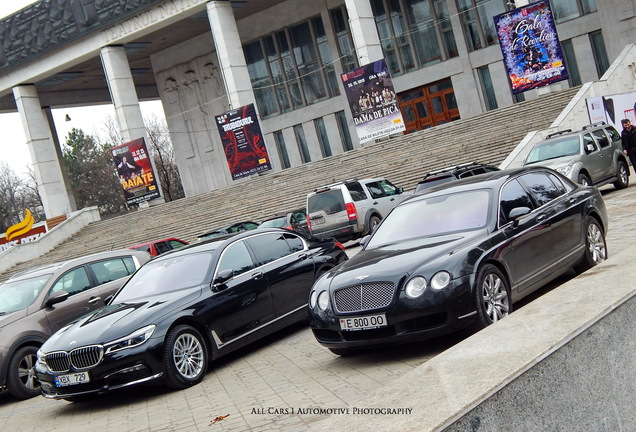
x: 286, y: 57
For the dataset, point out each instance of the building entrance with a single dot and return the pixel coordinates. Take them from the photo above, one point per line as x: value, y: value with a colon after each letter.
x: 428, y: 106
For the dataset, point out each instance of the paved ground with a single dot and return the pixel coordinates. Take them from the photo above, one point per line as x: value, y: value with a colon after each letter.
x: 285, y: 382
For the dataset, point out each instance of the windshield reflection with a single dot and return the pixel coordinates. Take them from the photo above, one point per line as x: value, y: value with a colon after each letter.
x: 20, y: 294
x: 554, y: 150
x: 167, y: 274
x: 434, y: 216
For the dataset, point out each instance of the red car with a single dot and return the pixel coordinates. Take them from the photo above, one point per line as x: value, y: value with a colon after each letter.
x: 158, y: 247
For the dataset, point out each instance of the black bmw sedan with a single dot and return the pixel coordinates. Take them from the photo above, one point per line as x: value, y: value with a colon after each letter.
x: 458, y: 256
x: 186, y: 308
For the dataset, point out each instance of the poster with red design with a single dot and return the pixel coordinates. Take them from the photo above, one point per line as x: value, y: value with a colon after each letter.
x: 135, y: 172
x: 243, y: 142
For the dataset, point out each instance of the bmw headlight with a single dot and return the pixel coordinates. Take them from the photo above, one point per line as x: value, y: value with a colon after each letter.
x: 565, y: 170
x: 323, y: 300
x: 42, y: 358
x: 132, y: 340
x: 415, y: 287
x: 440, y: 280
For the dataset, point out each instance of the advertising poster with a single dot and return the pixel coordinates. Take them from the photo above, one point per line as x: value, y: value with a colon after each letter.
x: 243, y: 142
x: 530, y: 47
x: 135, y: 172
x: 373, y: 102
x: 612, y: 109
x: 25, y: 231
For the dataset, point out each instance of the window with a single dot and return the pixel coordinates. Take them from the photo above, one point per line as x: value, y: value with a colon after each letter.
x: 375, y: 189
x: 73, y: 282
x: 356, y: 191
x: 302, y: 143
x: 106, y: 271
x: 601, y: 137
x: 512, y: 196
x: 346, y: 49
x: 413, y: 33
x: 237, y: 258
x: 487, y: 88
x: 565, y: 10
x: 476, y: 17
x: 282, y: 149
x: 291, y: 68
x: 323, y: 139
x: 599, y: 53
x: 343, y: 128
x: 541, y: 187
x: 269, y: 247
x: 588, y: 141
x: 574, y: 78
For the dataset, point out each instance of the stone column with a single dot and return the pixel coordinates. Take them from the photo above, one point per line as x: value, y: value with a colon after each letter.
x: 230, y: 53
x: 123, y: 93
x: 56, y: 195
x: 124, y: 97
x: 364, y: 31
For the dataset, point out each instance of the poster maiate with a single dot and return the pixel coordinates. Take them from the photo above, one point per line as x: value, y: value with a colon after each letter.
x: 135, y: 172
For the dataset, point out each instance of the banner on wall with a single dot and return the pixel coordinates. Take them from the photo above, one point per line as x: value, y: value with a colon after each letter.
x: 25, y: 231
x: 243, y: 142
x: 612, y: 108
x: 373, y: 102
x: 135, y: 172
x: 530, y: 47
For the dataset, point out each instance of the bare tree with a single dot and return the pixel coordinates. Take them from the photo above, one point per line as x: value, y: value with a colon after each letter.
x: 160, y: 147
x: 16, y: 195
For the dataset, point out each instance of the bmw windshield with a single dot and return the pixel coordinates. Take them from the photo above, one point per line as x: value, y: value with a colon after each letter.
x: 434, y: 216
x: 170, y: 273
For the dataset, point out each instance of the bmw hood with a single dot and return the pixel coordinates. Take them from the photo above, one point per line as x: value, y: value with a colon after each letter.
x: 397, y: 260
x: 120, y: 319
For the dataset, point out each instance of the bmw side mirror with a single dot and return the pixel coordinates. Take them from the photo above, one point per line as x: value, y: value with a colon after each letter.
x: 222, y: 277
x: 57, y: 297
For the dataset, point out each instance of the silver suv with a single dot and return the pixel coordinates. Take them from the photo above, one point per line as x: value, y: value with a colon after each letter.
x: 352, y: 208
x: 591, y: 156
x: 36, y: 303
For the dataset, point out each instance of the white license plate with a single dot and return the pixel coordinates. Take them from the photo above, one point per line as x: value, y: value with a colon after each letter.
x: 72, y: 379
x: 318, y: 221
x: 363, y: 322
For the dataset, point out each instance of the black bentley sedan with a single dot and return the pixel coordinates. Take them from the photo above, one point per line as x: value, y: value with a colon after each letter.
x: 458, y: 256
x: 186, y: 308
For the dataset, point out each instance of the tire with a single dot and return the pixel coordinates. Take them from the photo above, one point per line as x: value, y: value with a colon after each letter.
x: 622, y: 175
x: 595, y: 246
x: 374, y: 221
x: 492, y: 296
x: 185, y: 357
x: 584, y: 180
x: 21, y: 380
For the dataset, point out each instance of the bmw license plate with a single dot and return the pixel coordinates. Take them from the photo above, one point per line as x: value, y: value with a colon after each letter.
x: 363, y: 322
x: 72, y: 379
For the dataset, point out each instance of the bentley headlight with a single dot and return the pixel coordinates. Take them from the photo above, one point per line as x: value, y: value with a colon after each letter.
x: 132, y: 340
x: 323, y: 300
x: 415, y: 287
x: 440, y: 280
x: 312, y: 299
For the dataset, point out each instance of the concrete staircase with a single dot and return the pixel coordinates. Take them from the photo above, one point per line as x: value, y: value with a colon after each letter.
x: 486, y: 138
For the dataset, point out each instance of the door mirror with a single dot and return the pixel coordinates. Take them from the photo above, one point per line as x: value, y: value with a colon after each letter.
x: 517, y: 213
x: 589, y: 148
x: 57, y: 297
x: 223, y: 276
x: 364, y: 240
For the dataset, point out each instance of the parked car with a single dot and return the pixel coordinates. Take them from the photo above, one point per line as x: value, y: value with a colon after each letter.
x: 351, y: 208
x: 228, y: 229
x: 591, y: 156
x: 36, y: 303
x: 455, y: 172
x: 292, y: 220
x: 458, y: 256
x: 186, y: 308
x: 157, y: 247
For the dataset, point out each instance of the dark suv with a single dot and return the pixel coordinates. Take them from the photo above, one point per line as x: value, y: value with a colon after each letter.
x: 455, y: 172
x: 36, y: 303
x: 591, y: 156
